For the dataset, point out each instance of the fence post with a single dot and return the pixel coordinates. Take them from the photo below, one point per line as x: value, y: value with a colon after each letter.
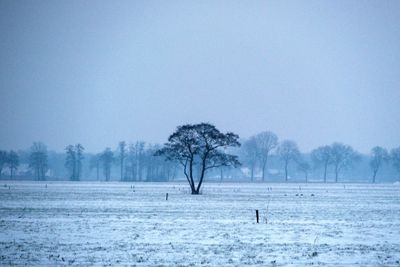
x: 257, y: 215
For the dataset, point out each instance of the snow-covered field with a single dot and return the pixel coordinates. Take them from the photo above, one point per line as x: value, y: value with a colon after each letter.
x: 84, y: 224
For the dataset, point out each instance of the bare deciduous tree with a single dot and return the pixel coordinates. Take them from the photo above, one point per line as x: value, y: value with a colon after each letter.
x: 266, y: 143
x: 12, y: 162
x: 342, y: 157
x: 304, y: 167
x: 38, y: 160
x: 199, y: 145
x: 70, y: 161
x: 288, y: 151
x: 73, y: 161
x: 3, y: 160
x: 379, y: 156
x: 322, y: 156
x: 250, y: 154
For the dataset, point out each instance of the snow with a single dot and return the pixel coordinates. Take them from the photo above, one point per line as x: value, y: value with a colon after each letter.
x: 72, y: 223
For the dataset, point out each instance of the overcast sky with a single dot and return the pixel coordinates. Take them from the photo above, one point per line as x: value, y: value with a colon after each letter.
x: 98, y: 72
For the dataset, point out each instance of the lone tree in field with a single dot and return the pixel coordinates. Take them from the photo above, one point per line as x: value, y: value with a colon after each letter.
x: 288, y: 151
x: 379, y: 156
x: 322, y: 156
x: 199, y: 147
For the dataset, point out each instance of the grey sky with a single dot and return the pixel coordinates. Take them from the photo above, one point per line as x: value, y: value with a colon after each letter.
x: 97, y: 72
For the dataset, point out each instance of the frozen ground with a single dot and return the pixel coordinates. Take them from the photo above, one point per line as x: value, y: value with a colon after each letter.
x: 114, y: 224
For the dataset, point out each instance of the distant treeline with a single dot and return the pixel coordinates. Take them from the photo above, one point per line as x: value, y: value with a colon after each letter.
x: 263, y: 158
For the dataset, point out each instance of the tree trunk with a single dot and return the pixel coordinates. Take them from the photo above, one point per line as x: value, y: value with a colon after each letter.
x: 286, y: 172
x: 263, y: 172
x: 325, y: 169
x: 195, y: 191
x: 263, y: 169
x: 203, y: 171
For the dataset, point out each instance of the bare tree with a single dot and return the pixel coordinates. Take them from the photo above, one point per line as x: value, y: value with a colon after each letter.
x: 395, y: 158
x: 266, y: 143
x: 304, y: 167
x: 379, y: 156
x: 343, y: 156
x: 3, y: 160
x: 122, y: 156
x: 70, y: 161
x: 107, y: 157
x: 73, y: 161
x: 79, y: 157
x: 202, y: 145
x: 38, y: 160
x: 135, y: 160
x: 250, y: 154
x: 12, y: 162
x: 288, y: 151
x: 322, y: 156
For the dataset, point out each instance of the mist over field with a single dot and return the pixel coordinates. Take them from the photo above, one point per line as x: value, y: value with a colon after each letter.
x: 199, y: 133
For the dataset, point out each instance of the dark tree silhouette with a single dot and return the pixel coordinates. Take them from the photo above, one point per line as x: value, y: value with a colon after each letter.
x: 379, y: 156
x: 322, y: 156
x: 38, y: 160
x: 199, y: 146
x: 12, y: 162
x: 288, y: 151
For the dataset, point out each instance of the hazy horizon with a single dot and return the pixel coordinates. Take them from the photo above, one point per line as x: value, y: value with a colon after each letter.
x: 97, y: 73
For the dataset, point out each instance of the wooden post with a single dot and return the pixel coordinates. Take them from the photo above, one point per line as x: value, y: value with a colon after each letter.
x: 166, y: 196
x: 257, y: 215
